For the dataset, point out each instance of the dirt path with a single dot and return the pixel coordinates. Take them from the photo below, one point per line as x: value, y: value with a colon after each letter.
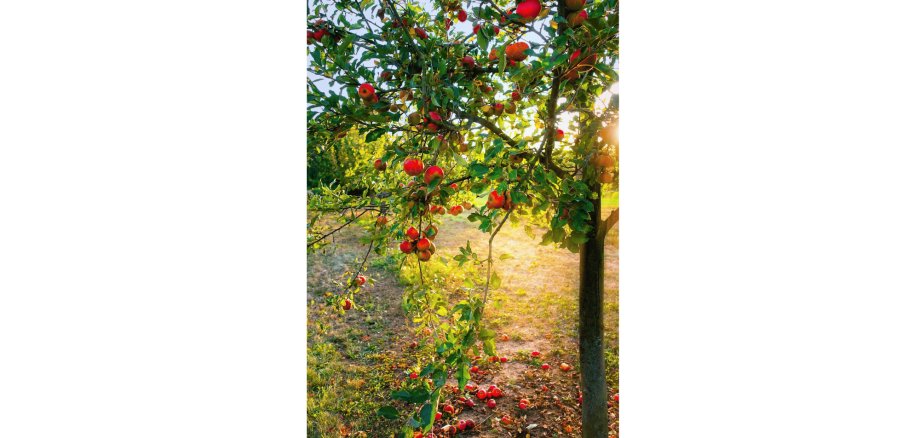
x: 535, y: 309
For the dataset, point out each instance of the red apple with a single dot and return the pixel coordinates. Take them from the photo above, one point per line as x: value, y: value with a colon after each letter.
x: 515, y: 95
x: 433, y: 174
x: 365, y: 91
x: 545, y: 366
x: 361, y: 280
x: 560, y: 134
x: 576, y: 18
x: 406, y: 246
x: 412, y: 233
x: 413, y: 166
x: 481, y: 394
x: 495, y: 200
x: 380, y: 165
x: 346, y: 304
x: 461, y: 15
x: 535, y: 354
x: 529, y: 9
x: 424, y: 255
x: 423, y: 244
x: 491, y: 404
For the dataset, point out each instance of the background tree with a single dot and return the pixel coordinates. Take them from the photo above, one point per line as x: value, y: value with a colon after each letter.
x: 410, y: 116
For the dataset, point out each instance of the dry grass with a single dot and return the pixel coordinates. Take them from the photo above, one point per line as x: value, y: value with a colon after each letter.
x: 536, y: 307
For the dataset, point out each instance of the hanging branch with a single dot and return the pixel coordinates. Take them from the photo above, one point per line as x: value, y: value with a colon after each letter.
x: 337, y: 229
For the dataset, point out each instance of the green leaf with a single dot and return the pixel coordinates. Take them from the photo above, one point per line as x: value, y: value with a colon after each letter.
x: 388, y: 412
x: 495, y: 282
x: 427, y: 416
x: 489, y: 347
x: 478, y: 169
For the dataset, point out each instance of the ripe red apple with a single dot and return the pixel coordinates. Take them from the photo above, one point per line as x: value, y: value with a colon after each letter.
x: 406, y: 247
x: 529, y: 9
x: 431, y: 127
x: 515, y: 51
x: 424, y: 255
x: 433, y: 174
x: 565, y: 367
x: 413, y: 375
x: 481, y: 394
x: 616, y: 397
x: 515, y: 95
x: 461, y: 15
x: 575, y: 55
x: 413, y: 344
x: 506, y: 419
x: 365, y: 91
x: 454, y: 186
x: 423, y: 244
x: 419, y: 32
x: 576, y: 18
x: 413, y: 166
x: 468, y: 61
x: 474, y: 369
x: 455, y: 210
x: 380, y: 165
x: 470, y: 424
x: 491, y: 404
x: 495, y: 200
x: 346, y: 304
x: 448, y: 409
x: 503, y: 359
x: 437, y: 415
x: 545, y: 366
x: 461, y: 426
x: 560, y: 134
x: 535, y: 354
x: 469, y: 403
x: 470, y: 386
x: 361, y: 280
x: 497, y: 393
x: 498, y: 109
x: 476, y: 28
x: 524, y: 403
x: 575, y: 4
x: 412, y: 233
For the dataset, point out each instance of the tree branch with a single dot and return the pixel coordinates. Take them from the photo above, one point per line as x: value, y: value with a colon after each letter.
x: 611, y: 220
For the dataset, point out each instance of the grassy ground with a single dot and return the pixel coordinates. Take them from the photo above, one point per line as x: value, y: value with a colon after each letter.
x: 356, y: 359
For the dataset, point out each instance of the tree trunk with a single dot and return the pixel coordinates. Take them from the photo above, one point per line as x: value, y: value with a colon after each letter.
x: 591, y: 327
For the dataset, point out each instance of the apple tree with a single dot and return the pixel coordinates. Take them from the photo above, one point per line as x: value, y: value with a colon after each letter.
x: 422, y: 108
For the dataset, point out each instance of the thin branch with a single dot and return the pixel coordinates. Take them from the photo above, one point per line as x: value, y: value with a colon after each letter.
x: 337, y: 229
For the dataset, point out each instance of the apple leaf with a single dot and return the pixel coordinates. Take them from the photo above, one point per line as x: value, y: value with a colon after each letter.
x: 388, y: 412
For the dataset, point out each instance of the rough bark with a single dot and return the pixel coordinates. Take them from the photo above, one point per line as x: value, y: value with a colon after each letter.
x: 591, y: 327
